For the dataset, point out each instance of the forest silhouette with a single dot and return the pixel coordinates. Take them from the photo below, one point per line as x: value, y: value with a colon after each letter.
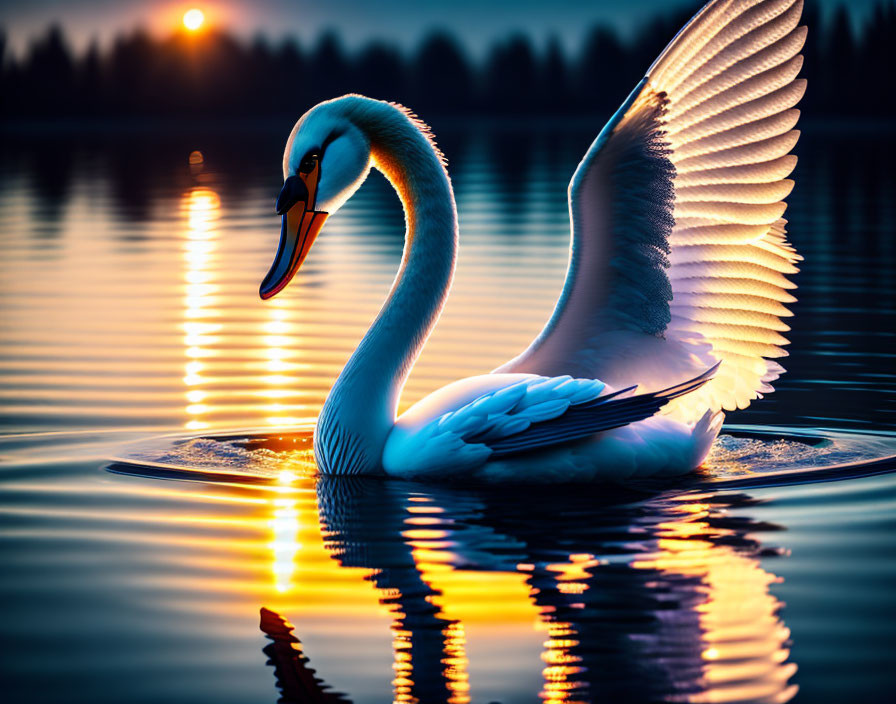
x: 215, y: 74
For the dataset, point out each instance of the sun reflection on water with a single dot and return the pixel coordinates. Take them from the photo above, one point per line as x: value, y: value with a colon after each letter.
x: 469, y: 590
x: 278, y: 382
x: 248, y: 372
x: 201, y: 209
x: 285, y: 545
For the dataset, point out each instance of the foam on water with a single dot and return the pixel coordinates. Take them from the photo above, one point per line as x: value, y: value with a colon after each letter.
x: 743, y: 456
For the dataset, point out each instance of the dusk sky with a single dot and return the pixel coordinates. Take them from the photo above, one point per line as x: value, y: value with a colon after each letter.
x: 476, y: 22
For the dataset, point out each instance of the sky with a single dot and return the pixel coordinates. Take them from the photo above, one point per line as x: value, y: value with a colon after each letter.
x: 403, y: 22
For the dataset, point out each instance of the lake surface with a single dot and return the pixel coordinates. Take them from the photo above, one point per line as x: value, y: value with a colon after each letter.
x: 130, y: 311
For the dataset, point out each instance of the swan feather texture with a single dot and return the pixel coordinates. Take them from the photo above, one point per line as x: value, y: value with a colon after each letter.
x: 676, y: 292
x: 523, y: 413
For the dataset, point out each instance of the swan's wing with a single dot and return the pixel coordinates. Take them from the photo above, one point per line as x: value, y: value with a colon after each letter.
x: 529, y: 413
x: 677, y: 211
x: 581, y: 420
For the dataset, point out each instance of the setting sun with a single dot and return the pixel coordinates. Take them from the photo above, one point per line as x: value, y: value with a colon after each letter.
x: 193, y: 19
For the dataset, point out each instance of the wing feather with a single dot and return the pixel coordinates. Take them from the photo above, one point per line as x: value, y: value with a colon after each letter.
x: 752, y: 111
x: 583, y: 420
x: 705, y: 143
x: 741, y: 135
x: 753, y: 193
x: 763, y: 172
x: 740, y: 62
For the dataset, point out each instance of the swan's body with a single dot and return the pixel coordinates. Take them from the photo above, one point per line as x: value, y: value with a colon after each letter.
x: 673, y: 296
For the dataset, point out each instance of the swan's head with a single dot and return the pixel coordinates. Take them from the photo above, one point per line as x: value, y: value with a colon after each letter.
x: 326, y: 160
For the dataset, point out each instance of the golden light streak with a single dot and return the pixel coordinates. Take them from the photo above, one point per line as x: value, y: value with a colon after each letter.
x: 456, y: 663
x: 285, y: 528
x: 278, y: 344
x: 201, y: 207
x: 559, y: 675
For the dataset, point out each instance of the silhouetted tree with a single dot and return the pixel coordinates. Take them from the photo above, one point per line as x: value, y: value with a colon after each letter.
x: 292, y: 87
x: 878, y: 54
x: 90, y: 81
x: 511, y: 83
x: 131, y: 65
x: 442, y: 79
x: 216, y: 75
x: 330, y: 73
x: 554, y: 79
x: 812, y: 54
x: 220, y: 76
x: 840, y: 79
x: 380, y: 73
x: 605, y: 74
x: 5, y: 73
x: 49, y: 80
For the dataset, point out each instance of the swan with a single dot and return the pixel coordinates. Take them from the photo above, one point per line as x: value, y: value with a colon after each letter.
x: 671, y: 311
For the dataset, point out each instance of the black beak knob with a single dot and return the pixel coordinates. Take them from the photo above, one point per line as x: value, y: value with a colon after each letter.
x: 294, y: 190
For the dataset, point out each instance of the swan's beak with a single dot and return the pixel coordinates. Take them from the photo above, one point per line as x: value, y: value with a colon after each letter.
x: 299, y: 228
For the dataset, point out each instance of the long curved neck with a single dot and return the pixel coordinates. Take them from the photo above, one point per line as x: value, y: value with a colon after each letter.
x: 360, y: 409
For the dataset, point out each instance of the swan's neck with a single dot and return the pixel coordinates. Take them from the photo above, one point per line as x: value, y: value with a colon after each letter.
x: 361, y: 407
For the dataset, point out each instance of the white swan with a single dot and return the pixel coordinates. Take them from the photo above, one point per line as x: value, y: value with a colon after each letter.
x: 677, y: 272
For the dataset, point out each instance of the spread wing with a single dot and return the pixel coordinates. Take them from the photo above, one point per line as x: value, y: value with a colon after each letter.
x: 677, y: 215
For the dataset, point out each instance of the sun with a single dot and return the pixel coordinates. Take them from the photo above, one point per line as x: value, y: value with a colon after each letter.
x: 193, y: 19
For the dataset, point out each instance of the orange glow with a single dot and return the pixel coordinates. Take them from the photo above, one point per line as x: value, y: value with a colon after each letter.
x: 193, y: 19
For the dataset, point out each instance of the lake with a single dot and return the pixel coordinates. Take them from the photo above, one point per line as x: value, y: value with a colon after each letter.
x: 130, y: 313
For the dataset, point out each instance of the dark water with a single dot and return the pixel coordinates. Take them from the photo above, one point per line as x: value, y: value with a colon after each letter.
x: 129, y: 310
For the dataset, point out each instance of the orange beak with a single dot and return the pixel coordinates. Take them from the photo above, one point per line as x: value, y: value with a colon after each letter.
x: 300, y: 226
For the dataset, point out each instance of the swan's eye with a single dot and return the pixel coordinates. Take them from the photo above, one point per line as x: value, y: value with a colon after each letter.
x: 309, y: 162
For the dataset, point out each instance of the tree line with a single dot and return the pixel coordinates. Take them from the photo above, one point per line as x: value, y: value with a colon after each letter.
x: 215, y: 74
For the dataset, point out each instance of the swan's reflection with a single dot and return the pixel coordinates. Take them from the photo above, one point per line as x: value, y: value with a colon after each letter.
x: 643, y: 599
x: 363, y: 523
x: 296, y: 680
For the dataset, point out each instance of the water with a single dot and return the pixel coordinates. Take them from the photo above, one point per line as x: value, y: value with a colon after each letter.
x: 130, y: 320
